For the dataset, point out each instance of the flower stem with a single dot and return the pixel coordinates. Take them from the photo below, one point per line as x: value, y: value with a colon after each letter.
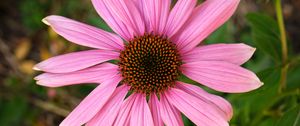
x: 284, y: 47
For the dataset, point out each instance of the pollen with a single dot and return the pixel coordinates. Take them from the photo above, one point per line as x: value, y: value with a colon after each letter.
x: 150, y: 63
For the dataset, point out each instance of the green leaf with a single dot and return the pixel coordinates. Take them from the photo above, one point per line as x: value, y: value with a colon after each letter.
x: 265, y: 34
x: 186, y: 121
x: 31, y: 18
x: 224, y: 34
x: 185, y: 79
x: 249, y: 107
x: 290, y: 118
x: 293, y: 78
x: 12, y: 111
x: 268, y: 122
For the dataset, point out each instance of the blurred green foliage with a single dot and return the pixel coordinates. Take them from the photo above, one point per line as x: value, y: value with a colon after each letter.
x: 263, y: 107
x: 32, y: 17
x: 265, y: 34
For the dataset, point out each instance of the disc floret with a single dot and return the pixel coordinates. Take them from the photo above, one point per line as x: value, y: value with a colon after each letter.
x: 149, y: 63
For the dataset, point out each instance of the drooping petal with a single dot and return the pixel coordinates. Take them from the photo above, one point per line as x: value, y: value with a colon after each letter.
x: 121, y: 13
x: 222, y: 76
x: 179, y: 15
x: 169, y: 114
x: 75, y: 61
x: 155, y: 110
x: 89, y: 106
x: 123, y: 118
x: 199, y: 112
x: 233, y: 53
x: 217, y: 102
x: 206, y: 18
x: 155, y: 13
x: 95, y: 74
x: 107, y: 115
x: 140, y: 112
x: 83, y: 34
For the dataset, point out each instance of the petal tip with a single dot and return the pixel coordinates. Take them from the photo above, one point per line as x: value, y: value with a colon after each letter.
x: 44, y: 20
x: 45, y: 84
x: 39, y: 83
x: 262, y: 83
x: 253, y: 49
x: 39, y: 77
x: 258, y: 85
x: 36, y: 68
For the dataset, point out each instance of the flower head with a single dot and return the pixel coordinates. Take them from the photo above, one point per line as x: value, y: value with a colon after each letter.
x: 154, y: 45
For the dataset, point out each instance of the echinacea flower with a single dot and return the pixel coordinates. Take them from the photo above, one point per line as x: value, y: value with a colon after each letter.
x: 154, y: 46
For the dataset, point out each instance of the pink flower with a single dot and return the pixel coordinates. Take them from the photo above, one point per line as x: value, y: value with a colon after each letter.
x: 154, y: 46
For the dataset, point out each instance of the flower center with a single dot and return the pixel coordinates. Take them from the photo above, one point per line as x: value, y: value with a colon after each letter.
x: 149, y: 64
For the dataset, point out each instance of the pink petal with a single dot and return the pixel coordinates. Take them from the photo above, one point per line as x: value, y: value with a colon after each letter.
x: 205, y: 19
x: 126, y: 12
x: 222, y: 76
x: 89, y: 106
x: 124, y: 114
x: 155, y: 14
x: 155, y: 110
x: 217, y: 102
x: 233, y: 53
x: 169, y: 114
x: 107, y: 115
x: 75, y: 61
x: 199, y: 112
x: 83, y: 34
x: 113, y: 20
x: 179, y: 15
x: 95, y: 74
x: 140, y: 113
x: 164, y: 14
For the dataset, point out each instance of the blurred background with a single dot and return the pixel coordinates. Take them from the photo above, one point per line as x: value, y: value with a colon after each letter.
x: 25, y: 41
